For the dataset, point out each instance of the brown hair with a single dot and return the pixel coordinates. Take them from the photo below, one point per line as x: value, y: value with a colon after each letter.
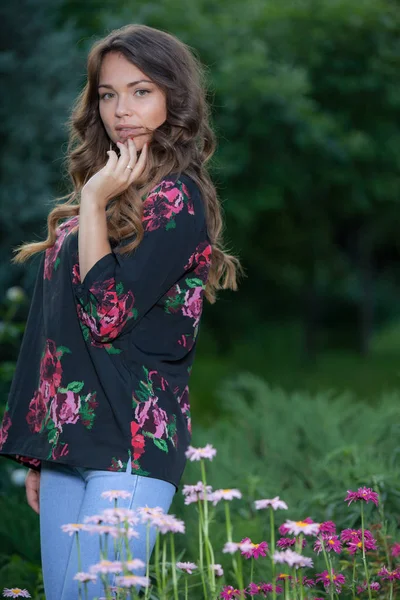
x: 183, y: 143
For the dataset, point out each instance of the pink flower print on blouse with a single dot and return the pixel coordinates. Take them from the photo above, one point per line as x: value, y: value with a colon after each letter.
x: 201, y: 257
x: 151, y: 417
x: 50, y: 370
x: 37, y: 412
x: 5, y: 426
x: 65, y: 409
x: 106, y: 318
x: 52, y: 260
x: 164, y: 203
x: 193, y: 304
x: 184, y: 403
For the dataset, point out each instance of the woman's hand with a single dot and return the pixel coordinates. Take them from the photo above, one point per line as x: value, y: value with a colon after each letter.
x: 32, y: 485
x: 115, y: 177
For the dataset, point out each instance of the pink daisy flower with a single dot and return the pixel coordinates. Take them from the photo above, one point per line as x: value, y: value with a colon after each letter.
x: 337, y: 579
x: 305, y: 527
x: 229, y: 592
x: 129, y: 581
x: 227, y: 494
x: 331, y: 543
x: 199, y: 453
x: 147, y: 513
x: 189, y: 567
x: 106, y: 566
x: 255, y: 550
x: 168, y: 523
x: 396, y: 549
x: 288, y: 542
x: 16, y: 593
x: 293, y: 559
x: 84, y: 577
x: 363, y: 493
x: 218, y: 569
x: 115, y: 494
x: 255, y: 589
x: 283, y: 529
x: 389, y: 575
x: 283, y: 577
x: 230, y: 547
x: 72, y: 527
x: 274, y: 503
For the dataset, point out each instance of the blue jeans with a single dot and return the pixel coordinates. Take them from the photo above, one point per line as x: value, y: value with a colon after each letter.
x: 67, y: 495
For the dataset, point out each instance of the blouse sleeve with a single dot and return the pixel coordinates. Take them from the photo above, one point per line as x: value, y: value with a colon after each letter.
x: 120, y: 288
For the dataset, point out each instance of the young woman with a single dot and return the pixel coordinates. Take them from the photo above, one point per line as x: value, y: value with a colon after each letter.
x: 99, y: 399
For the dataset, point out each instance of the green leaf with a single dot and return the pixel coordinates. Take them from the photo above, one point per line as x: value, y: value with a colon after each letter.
x: 64, y: 350
x: 111, y: 350
x: 75, y: 386
x: 170, y: 225
x: 162, y: 444
x: 119, y: 288
x: 194, y: 282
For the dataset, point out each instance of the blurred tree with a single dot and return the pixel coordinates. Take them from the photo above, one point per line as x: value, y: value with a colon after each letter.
x: 40, y: 67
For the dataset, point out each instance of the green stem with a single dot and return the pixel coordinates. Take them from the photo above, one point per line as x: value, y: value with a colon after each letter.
x: 207, y: 542
x: 272, y: 549
x: 79, y: 563
x: 173, y: 561
x: 163, y: 565
x: 157, y: 564
x: 331, y: 582
x: 294, y: 583
x: 301, y: 584
x: 146, y: 595
x: 251, y: 569
x: 186, y: 587
x: 201, y: 561
x: 391, y: 590
x: 363, y: 552
x: 353, y: 583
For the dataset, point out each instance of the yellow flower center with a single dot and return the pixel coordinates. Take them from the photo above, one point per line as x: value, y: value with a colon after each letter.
x: 16, y: 590
x: 332, y: 542
x: 302, y: 523
x: 359, y: 544
x: 283, y: 575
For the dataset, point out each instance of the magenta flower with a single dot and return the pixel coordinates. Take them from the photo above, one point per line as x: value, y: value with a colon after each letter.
x: 338, y: 580
x: 255, y: 550
x: 287, y: 542
x: 229, y: 592
x: 374, y: 585
x: 327, y: 527
x: 330, y: 543
x: 362, y: 493
x: 369, y: 544
x: 389, y: 575
x: 396, y: 549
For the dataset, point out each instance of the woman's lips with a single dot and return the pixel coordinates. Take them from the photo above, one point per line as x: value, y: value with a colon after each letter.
x: 127, y: 133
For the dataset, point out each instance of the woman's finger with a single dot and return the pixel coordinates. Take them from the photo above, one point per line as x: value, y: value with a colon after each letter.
x: 112, y: 161
x: 123, y: 160
x: 140, y: 164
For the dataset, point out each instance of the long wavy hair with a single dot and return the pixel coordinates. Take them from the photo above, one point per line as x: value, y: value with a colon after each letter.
x: 183, y: 143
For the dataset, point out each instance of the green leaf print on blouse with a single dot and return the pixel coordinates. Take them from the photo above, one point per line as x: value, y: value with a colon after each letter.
x: 54, y: 406
x: 187, y: 298
x: 151, y: 421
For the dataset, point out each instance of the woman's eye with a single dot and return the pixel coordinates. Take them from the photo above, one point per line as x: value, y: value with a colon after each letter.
x: 145, y: 92
x: 102, y: 97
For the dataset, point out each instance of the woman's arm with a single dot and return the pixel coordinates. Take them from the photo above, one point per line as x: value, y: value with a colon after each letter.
x: 93, y: 237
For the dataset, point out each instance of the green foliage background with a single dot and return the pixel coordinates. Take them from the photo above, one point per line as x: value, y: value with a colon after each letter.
x: 305, y: 100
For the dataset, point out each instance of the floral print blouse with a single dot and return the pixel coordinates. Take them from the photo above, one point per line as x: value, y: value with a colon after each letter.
x: 102, y: 374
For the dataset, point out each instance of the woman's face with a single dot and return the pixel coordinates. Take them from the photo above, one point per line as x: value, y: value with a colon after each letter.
x: 129, y: 99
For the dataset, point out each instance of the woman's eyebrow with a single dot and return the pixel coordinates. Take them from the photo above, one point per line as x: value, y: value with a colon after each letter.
x: 131, y: 84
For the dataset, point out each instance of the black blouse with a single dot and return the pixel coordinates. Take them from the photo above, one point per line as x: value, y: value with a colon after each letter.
x: 102, y: 374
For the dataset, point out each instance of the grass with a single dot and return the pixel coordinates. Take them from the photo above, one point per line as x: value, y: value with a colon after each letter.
x: 274, y: 353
